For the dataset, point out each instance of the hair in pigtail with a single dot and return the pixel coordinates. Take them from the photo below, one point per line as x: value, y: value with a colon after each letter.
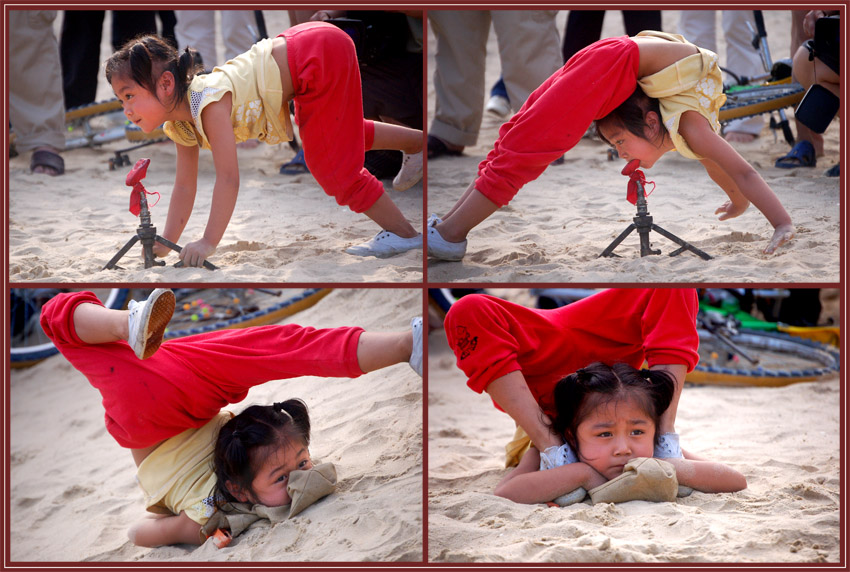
x: 596, y: 385
x: 144, y: 59
x: 245, y: 441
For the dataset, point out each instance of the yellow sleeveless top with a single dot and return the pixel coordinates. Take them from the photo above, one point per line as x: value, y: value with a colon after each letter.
x: 259, y: 112
x: 179, y: 475
x: 694, y: 83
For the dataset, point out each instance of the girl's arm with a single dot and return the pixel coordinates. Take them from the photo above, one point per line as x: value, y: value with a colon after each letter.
x: 219, y: 131
x: 527, y: 484
x: 163, y: 530
x: 708, y: 476
x: 182, y: 197
x: 736, y: 177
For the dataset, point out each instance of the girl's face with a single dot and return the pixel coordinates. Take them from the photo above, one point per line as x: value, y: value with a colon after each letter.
x: 629, y: 146
x: 140, y: 106
x: 613, y: 434
x: 270, y: 481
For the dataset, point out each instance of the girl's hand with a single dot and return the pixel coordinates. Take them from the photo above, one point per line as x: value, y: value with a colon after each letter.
x: 730, y: 210
x: 781, y: 234
x: 194, y: 253
x: 160, y: 250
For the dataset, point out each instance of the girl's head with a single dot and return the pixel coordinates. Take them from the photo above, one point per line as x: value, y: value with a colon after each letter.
x: 150, y: 78
x: 609, y: 415
x: 635, y: 129
x: 257, y: 449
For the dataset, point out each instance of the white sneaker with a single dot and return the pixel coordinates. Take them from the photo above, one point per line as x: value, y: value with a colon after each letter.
x: 439, y: 247
x: 148, y: 320
x: 416, y: 355
x: 385, y: 244
x: 410, y: 172
x: 498, y: 105
x: 433, y: 220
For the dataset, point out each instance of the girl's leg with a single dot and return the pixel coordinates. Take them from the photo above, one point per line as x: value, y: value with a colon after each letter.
x: 377, y: 350
x: 329, y: 112
x: 409, y: 142
x: 397, y: 137
x: 470, y: 211
x: 388, y: 216
x: 95, y: 324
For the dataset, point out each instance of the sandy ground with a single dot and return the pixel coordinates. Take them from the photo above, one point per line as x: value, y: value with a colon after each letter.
x: 557, y: 226
x: 73, y: 492
x: 284, y: 228
x: 785, y: 440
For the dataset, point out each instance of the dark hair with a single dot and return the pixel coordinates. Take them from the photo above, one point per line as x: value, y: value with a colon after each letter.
x: 597, y: 384
x: 245, y: 441
x: 145, y: 58
x: 631, y: 114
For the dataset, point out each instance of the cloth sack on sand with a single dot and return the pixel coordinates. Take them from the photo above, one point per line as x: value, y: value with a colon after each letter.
x: 305, y: 488
x: 642, y: 479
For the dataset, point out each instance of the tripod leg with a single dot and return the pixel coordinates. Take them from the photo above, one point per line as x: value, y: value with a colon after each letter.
x: 610, y: 250
x: 685, y: 245
x: 111, y: 264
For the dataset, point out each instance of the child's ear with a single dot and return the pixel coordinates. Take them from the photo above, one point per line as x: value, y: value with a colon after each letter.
x: 166, y: 83
x: 653, y: 122
x: 238, y: 492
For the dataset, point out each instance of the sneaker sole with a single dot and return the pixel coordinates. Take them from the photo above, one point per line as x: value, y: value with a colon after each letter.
x: 161, y: 310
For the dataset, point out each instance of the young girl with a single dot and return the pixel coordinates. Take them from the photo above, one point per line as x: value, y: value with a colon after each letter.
x: 686, y: 82
x: 163, y: 402
x: 248, y: 97
x: 518, y: 354
x: 608, y: 416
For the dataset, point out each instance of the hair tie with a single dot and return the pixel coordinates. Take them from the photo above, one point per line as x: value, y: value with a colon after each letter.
x: 236, y: 434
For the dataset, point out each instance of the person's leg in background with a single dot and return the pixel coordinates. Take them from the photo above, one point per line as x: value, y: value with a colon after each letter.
x: 36, y: 103
x: 458, y: 78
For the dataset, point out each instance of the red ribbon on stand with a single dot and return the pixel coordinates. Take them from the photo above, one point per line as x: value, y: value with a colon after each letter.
x: 635, y: 175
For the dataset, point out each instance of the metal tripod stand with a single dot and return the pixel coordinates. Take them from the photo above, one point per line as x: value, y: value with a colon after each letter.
x: 146, y: 231
x: 643, y: 223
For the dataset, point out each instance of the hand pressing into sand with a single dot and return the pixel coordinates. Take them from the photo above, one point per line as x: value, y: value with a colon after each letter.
x: 731, y: 209
x: 160, y: 250
x: 781, y: 234
x: 194, y: 253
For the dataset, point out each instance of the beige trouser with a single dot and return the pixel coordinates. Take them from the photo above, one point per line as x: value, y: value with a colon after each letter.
x: 196, y: 29
x: 529, y: 50
x: 36, y: 102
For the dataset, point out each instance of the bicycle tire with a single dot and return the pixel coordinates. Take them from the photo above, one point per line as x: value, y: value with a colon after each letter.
x: 760, y: 99
x: 789, y: 360
x: 299, y: 301
x: 21, y: 356
x: 92, y: 110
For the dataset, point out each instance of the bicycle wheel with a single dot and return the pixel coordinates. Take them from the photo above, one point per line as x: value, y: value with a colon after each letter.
x: 29, y: 344
x: 209, y: 309
x: 760, y: 99
x: 782, y: 360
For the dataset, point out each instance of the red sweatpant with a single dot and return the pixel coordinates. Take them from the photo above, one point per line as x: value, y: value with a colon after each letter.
x: 188, y: 380
x: 553, y: 119
x: 492, y: 337
x: 329, y: 112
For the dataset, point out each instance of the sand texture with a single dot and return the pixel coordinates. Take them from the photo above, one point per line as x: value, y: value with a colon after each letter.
x: 73, y: 493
